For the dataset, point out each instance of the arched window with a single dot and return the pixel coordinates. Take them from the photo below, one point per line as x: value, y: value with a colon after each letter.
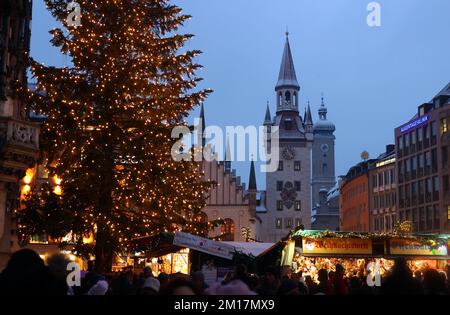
x: 202, y: 218
x: 288, y: 97
x: 227, y: 230
x: 280, y: 99
x: 295, y: 99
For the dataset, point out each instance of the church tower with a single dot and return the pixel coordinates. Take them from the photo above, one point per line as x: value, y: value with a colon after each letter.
x: 323, y: 169
x: 288, y: 190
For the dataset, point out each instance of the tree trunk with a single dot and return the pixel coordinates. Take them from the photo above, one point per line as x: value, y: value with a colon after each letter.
x: 104, y: 243
x: 103, y: 252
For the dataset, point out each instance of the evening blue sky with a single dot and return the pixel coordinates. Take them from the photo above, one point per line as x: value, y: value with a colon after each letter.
x: 373, y: 79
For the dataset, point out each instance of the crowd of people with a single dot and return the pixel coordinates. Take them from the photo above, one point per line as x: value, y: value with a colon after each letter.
x: 27, y: 274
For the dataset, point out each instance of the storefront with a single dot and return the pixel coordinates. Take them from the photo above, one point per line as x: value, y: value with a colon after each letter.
x: 361, y: 253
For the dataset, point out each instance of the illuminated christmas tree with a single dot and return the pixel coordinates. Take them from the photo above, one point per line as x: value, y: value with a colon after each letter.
x: 107, y: 135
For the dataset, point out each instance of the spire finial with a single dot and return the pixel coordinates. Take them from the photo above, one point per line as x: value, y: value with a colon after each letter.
x: 323, y: 104
x: 287, y: 32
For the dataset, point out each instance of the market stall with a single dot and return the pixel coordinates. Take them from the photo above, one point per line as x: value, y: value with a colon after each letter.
x: 183, y: 252
x: 309, y: 251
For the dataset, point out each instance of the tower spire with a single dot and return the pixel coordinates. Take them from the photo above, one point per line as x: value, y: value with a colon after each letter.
x: 268, y: 118
x: 323, y: 110
x: 287, y: 76
x: 252, y: 178
x: 227, y: 160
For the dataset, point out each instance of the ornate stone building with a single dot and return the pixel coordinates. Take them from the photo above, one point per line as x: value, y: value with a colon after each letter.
x: 19, y: 138
x: 288, y: 190
x: 323, y: 169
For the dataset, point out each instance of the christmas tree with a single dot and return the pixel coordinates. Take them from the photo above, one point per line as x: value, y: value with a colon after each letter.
x: 107, y: 136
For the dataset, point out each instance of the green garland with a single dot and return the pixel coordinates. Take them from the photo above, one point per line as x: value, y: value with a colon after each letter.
x: 434, y: 241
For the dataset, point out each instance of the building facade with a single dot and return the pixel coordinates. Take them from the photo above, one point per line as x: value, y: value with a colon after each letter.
x: 354, y: 199
x: 323, y: 168
x: 228, y: 199
x: 383, y: 192
x: 19, y: 138
x: 325, y: 214
x: 288, y: 189
x: 423, y: 148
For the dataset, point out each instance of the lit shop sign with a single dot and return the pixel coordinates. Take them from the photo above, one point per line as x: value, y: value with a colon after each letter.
x: 383, y: 163
x: 406, y: 247
x: 414, y: 124
x: 337, y: 246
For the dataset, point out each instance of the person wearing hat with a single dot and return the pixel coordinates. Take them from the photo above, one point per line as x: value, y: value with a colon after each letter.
x: 151, y: 286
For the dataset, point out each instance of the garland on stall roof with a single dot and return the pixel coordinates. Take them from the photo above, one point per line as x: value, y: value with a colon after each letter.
x: 402, y: 230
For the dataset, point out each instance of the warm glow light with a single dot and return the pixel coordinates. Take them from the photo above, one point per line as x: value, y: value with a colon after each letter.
x: 57, y: 180
x: 26, y: 189
x: 88, y: 239
x: 57, y: 190
x: 28, y: 176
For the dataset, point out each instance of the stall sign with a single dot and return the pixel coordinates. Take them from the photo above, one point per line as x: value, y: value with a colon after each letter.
x: 342, y: 246
x: 204, y: 245
x: 408, y: 247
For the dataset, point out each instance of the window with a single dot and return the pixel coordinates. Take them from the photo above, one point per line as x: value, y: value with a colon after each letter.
x: 298, y: 186
x: 421, y: 161
x: 289, y: 223
x: 444, y: 154
x: 324, y: 168
x: 374, y: 181
x: 227, y: 230
x: 433, y: 129
x: 446, y: 183
x: 280, y: 165
x: 202, y: 218
x: 279, y: 205
x: 279, y: 185
x: 419, y: 135
x: 298, y: 222
x: 380, y: 179
x: 297, y: 166
x: 42, y: 172
x: 435, y: 184
x: 288, y: 97
x: 426, y: 132
x: 444, y: 125
x: 278, y: 223
x: 400, y: 142
x: 434, y: 160
x: 298, y: 205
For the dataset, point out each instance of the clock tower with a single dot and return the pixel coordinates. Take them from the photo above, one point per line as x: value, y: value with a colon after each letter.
x: 323, y: 171
x: 288, y: 189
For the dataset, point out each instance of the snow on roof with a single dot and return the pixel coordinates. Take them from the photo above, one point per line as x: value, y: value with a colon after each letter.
x: 250, y: 248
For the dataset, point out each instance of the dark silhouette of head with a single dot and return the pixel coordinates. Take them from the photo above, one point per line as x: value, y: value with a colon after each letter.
x: 26, y: 274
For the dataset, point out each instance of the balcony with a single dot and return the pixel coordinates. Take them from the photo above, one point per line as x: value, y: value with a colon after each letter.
x: 18, y: 133
x: 19, y: 144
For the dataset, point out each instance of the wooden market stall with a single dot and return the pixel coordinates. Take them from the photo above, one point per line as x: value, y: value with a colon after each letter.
x: 308, y: 251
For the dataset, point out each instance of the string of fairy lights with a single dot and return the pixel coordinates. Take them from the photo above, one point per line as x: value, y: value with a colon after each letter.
x: 107, y: 135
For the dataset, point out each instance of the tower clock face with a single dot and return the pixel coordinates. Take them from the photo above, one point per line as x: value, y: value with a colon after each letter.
x: 288, y: 153
x: 324, y: 148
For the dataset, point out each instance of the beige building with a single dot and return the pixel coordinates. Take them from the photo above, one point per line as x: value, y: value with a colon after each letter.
x: 229, y: 200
